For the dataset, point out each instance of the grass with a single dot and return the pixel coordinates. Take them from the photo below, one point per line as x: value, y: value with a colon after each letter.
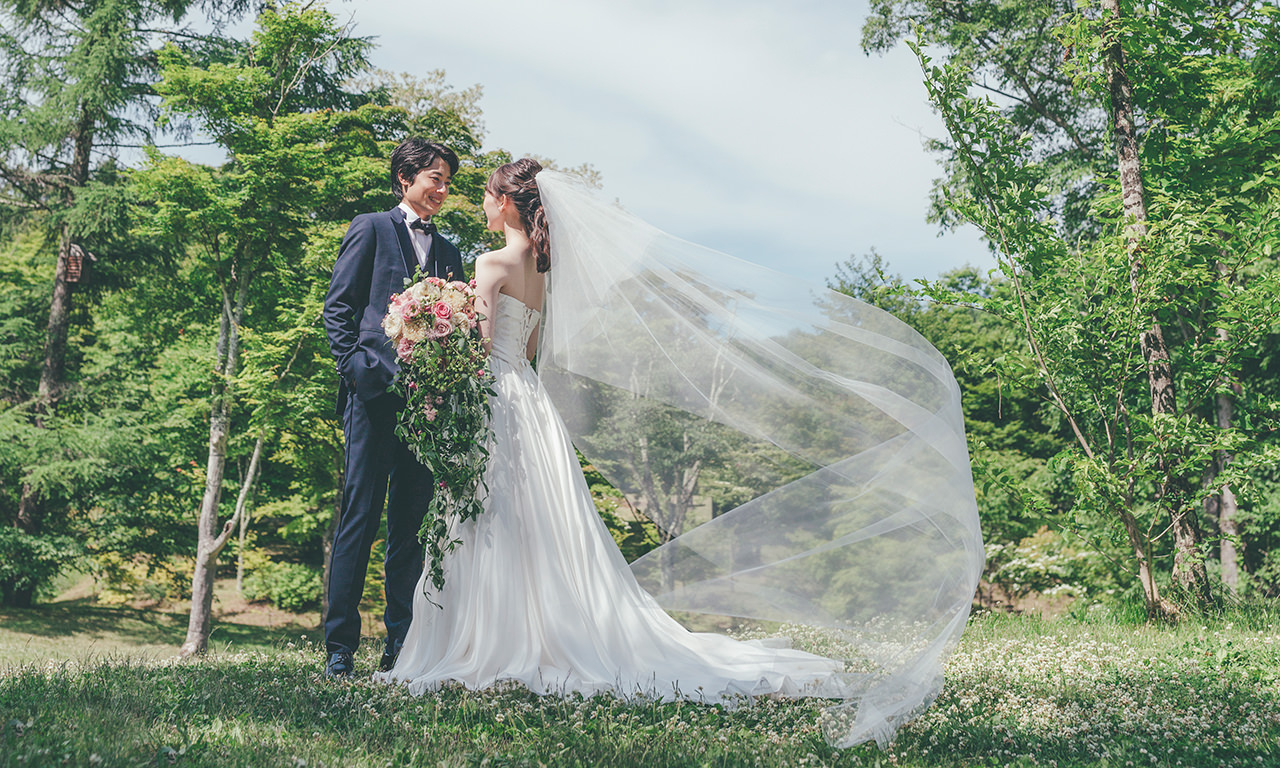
x: 1020, y: 691
x: 74, y: 631
x: 79, y: 629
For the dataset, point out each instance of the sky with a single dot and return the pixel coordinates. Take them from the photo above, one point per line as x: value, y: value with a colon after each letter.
x: 756, y: 128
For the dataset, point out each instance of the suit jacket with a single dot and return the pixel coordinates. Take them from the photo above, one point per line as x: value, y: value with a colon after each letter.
x: 373, y: 261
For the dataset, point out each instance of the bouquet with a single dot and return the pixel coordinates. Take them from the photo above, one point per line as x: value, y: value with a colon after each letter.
x: 445, y: 382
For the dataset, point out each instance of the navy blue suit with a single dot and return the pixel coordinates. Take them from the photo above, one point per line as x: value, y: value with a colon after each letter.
x: 375, y: 257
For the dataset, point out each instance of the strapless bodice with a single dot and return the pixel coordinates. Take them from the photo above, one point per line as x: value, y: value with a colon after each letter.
x: 511, y: 328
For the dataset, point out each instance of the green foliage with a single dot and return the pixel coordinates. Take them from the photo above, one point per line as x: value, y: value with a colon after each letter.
x: 122, y: 578
x: 1015, y: 53
x: 634, y: 535
x: 20, y: 304
x: 30, y: 562
x: 289, y: 586
x: 1080, y: 307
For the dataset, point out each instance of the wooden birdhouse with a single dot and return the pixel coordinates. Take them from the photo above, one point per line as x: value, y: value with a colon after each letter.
x: 78, y: 261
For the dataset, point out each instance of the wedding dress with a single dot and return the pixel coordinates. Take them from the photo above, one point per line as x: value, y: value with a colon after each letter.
x: 538, y: 592
x: 686, y: 375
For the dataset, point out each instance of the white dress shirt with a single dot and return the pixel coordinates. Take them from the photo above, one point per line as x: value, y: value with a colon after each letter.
x: 421, y: 240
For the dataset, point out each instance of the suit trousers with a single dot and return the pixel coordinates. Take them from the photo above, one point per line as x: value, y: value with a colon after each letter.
x: 378, y: 467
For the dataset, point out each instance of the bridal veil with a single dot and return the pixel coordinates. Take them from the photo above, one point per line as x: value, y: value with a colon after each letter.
x: 695, y: 381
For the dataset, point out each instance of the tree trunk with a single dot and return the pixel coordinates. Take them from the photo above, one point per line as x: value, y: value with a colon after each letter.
x: 1227, y: 553
x: 53, y: 369
x: 209, y: 543
x: 55, y: 340
x: 1158, y: 607
x: 242, y: 509
x: 240, y: 544
x: 1189, y: 572
x: 1227, y: 508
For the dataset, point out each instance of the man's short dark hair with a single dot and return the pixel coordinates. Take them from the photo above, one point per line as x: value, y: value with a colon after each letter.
x: 412, y: 156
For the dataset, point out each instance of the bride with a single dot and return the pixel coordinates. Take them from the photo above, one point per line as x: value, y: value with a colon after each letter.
x: 842, y: 425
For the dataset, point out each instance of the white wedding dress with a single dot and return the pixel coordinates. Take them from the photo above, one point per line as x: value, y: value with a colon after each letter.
x: 538, y: 592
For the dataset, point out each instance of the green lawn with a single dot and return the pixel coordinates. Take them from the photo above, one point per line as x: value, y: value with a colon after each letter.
x: 80, y: 630
x: 1020, y: 691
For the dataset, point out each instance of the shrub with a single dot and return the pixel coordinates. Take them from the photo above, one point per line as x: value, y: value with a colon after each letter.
x: 141, y: 577
x: 29, y: 563
x: 289, y: 586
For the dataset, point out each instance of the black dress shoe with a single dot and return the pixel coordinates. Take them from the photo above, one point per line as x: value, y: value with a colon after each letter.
x: 340, y: 665
x: 390, y: 652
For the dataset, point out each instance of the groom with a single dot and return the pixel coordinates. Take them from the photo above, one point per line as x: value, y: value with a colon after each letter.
x: 379, y: 251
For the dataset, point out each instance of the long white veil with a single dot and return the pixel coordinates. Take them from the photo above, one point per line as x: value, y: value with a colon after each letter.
x: 688, y: 376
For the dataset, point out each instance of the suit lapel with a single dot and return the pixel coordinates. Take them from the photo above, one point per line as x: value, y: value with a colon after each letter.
x: 442, y: 260
x: 433, y: 256
x: 410, y: 259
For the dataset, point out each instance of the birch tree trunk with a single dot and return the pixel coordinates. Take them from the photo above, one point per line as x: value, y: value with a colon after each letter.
x: 209, y: 542
x: 1188, y: 565
x: 242, y: 508
x: 1227, y: 507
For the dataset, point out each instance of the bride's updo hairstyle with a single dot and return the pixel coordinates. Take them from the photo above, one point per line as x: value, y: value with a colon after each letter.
x: 516, y: 181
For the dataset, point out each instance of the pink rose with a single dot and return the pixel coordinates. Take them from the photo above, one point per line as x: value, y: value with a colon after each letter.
x: 404, y: 349
x: 442, y: 328
x: 442, y: 310
x: 458, y: 285
x: 435, y: 281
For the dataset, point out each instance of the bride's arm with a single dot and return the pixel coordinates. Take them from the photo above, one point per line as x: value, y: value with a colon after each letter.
x: 490, y: 276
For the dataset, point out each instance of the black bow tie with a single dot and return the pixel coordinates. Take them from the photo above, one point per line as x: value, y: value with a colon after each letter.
x: 424, y: 225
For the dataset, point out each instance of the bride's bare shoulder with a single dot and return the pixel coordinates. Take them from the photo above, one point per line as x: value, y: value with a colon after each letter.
x: 503, y: 258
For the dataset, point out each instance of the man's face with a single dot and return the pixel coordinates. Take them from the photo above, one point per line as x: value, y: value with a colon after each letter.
x: 425, y: 193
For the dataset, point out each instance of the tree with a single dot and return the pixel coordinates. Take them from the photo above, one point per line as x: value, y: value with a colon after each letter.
x: 1016, y: 54
x: 305, y: 154
x: 297, y: 145
x: 76, y: 78
x: 1090, y: 310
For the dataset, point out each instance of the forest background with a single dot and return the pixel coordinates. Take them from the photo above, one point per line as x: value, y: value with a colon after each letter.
x: 166, y: 390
